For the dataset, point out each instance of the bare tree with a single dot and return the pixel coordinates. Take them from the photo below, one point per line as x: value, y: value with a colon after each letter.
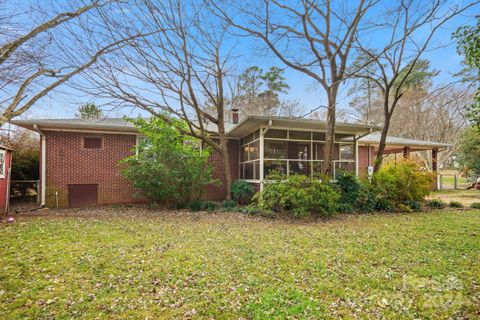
x: 34, y: 63
x: 315, y: 38
x: 395, y: 65
x: 180, y: 72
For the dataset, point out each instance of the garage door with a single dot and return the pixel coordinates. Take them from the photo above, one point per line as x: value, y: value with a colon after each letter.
x: 82, y: 195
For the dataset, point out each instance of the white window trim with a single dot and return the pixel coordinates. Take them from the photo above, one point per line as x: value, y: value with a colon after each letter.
x: 4, y: 164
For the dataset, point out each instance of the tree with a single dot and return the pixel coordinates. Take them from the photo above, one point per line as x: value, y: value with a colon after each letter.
x: 398, y: 63
x: 469, y: 152
x: 183, y: 69
x: 35, y: 63
x: 258, y: 91
x: 24, y: 144
x: 168, y: 167
x: 315, y: 38
x: 468, y: 44
x: 89, y: 111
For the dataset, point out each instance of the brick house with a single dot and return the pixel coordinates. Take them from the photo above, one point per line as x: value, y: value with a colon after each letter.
x: 79, y: 158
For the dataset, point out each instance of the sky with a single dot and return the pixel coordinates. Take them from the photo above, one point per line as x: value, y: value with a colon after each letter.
x: 63, y: 103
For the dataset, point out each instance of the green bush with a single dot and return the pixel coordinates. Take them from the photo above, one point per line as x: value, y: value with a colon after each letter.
x: 475, y: 205
x: 384, y: 204
x: 242, y: 191
x: 229, y: 204
x: 436, y: 204
x: 298, y: 196
x: 396, y: 184
x: 167, y: 167
x: 455, y: 204
x: 349, y: 187
x: 413, y: 205
x: 366, y: 199
x: 198, y: 205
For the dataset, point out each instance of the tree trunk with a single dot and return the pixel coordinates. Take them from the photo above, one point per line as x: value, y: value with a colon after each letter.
x: 382, y: 144
x: 329, y: 139
x: 226, y: 166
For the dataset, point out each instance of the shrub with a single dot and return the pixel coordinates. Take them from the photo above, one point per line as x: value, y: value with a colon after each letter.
x: 475, y: 205
x: 413, y: 205
x: 402, y: 182
x: 229, y: 204
x: 349, y: 187
x: 198, y: 205
x: 455, y: 204
x: 384, y: 204
x: 366, y: 199
x: 242, y: 191
x: 436, y: 204
x: 167, y: 169
x: 298, y: 196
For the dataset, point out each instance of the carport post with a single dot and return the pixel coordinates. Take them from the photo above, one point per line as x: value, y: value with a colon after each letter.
x: 435, y: 167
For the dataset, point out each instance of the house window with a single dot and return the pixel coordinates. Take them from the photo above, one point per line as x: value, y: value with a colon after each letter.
x: 92, y: 143
x: 2, y: 163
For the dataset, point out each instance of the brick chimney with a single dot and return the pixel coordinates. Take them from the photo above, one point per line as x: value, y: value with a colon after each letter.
x: 234, y: 115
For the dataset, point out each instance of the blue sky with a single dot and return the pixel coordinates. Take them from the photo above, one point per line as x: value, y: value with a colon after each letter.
x: 63, y: 102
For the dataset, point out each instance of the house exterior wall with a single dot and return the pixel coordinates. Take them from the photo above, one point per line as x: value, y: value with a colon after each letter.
x: 217, y: 192
x: 69, y: 163
x: 363, y: 159
x: 4, y: 180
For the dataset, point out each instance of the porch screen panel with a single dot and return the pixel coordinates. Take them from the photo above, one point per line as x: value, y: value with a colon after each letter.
x: 250, y: 157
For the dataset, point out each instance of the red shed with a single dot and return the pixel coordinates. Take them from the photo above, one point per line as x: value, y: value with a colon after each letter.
x: 5, y: 170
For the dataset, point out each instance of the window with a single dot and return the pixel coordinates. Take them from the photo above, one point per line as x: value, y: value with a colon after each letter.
x: 347, y: 152
x: 2, y: 163
x: 299, y: 135
x: 92, y: 143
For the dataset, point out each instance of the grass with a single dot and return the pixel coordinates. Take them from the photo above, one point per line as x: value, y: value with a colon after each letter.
x: 465, y: 197
x: 112, y: 263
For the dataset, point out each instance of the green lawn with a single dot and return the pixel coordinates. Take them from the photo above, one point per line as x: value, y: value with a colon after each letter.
x: 179, y: 265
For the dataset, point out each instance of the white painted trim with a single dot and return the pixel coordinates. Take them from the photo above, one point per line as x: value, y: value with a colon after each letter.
x: 356, y: 157
x: 262, y: 155
x: 43, y: 169
x: 4, y: 165
x: 131, y: 133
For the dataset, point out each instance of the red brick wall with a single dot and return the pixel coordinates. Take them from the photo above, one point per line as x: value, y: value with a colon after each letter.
x: 218, y: 192
x: 363, y: 159
x: 4, y: 181
x: 68, y: 163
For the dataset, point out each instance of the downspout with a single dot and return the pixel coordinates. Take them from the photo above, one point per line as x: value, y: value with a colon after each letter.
x: 43, y: 169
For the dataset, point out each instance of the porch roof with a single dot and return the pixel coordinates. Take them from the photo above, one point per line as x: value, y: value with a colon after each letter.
x: 252, y: 123
x: 374, y: 139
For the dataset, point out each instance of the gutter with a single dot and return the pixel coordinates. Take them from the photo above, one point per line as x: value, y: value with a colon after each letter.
x: 43, y: 168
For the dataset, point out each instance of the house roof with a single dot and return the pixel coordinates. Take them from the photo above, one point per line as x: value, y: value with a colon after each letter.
x: 251, y: 123
x: 104, y: 124
x: 240, y: 130
x: 374, y: 138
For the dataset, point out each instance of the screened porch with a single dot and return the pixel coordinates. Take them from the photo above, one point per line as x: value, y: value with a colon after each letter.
x: 293, y: 152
